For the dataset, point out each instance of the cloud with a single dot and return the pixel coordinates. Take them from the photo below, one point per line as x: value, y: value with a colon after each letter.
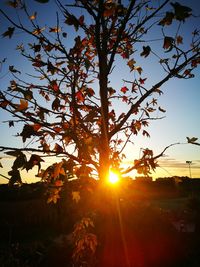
x: 173, y: 163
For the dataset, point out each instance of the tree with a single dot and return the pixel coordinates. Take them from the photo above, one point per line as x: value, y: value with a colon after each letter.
x: 69, y: 106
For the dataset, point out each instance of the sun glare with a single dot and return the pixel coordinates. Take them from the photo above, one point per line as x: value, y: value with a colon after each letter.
x: 113, y: 177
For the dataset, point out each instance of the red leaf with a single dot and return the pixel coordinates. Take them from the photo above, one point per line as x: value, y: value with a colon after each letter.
x: 124, y: 89
x: 79, y: 96
x: 125, y: 99
x: 142, y: 80
x: 81, y: 20
x: 54, y: 86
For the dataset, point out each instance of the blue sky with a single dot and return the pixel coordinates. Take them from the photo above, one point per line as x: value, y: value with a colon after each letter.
x: 181, y: 100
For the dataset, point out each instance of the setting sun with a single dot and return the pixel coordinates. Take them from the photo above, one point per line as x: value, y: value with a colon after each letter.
x: 113, y: 177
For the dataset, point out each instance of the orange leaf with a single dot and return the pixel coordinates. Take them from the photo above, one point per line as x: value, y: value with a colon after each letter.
x: 55, y: 29
x: 36, y: 127
x: 76, y: 196
x: 58, y: 183
x: 22, y: 106
x: 38, y: 31
x: 138, y: 69
x: 57, y: 168
x: 58, y: 148
x: 32, y: 17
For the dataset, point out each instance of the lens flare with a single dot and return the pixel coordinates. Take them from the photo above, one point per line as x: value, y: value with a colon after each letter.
x: 113, y: 177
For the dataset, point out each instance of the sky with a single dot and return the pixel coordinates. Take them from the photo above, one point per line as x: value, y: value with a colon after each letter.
x: 181, y: 100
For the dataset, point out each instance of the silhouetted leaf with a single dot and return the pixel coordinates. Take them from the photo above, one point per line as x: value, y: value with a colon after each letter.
x: 192, y: 140
x: 34, y: 160
x: 9, y: 32
x: 13, y: 70
x: 167, y: 20
x: 20, y: 161
x: 15, y: 177
x: 146, y: 51
x: 181, y: 12
x: 27, y: 132
x: 11, y: 123
x: 168, y: 43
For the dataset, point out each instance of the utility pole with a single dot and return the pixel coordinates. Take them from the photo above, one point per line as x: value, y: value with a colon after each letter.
x: 189, y: 164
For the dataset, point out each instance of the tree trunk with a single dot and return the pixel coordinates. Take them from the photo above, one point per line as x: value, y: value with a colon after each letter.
x: 104, y: 151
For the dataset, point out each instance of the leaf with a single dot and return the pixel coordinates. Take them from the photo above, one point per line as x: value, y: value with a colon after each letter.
x: 90, y: 92
x: 58, y: 170
x: 56, y: 104
x: 13, y: 153
x: 131, y: 63
x: 81, y: 20
x: 54, y: 196
x: 9, y: 32
x: 138, y: 69
x: 125, y: 99
x: 145, y: 133
x: 76, y: 196
x: 109, y: 10
x: 15, y: 177
x: 51, y: 68
x: 36, y: 126
x: 27, y: 132
x: 146, y: 51
x: 179, y: 39
x: 13, y: 70
x: 38, y: 63
x: 55, y: 29
x: 36, y: 47
x: 20, y: 161
x: 72, y: 20
x: 80, y: 97
x: 33, y: 16
x: 111, y: 91
x: 34, y: 160
x: 58, y: 148
x: 168, y: 43
x: 13, y: 4
x: 124, y: 89
x: 162, y: 110
x: 181, y: 12
x: 38, y: 31
x: 11, y: 123
x: 54, y: 86
x: 167, y: 20
x: 58, y: 183
x: 192, y: 140
x: 142, y: 80
x: 22, y: 106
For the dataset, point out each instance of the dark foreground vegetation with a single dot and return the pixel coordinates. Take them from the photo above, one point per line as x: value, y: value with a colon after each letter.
x: 140, y: 224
